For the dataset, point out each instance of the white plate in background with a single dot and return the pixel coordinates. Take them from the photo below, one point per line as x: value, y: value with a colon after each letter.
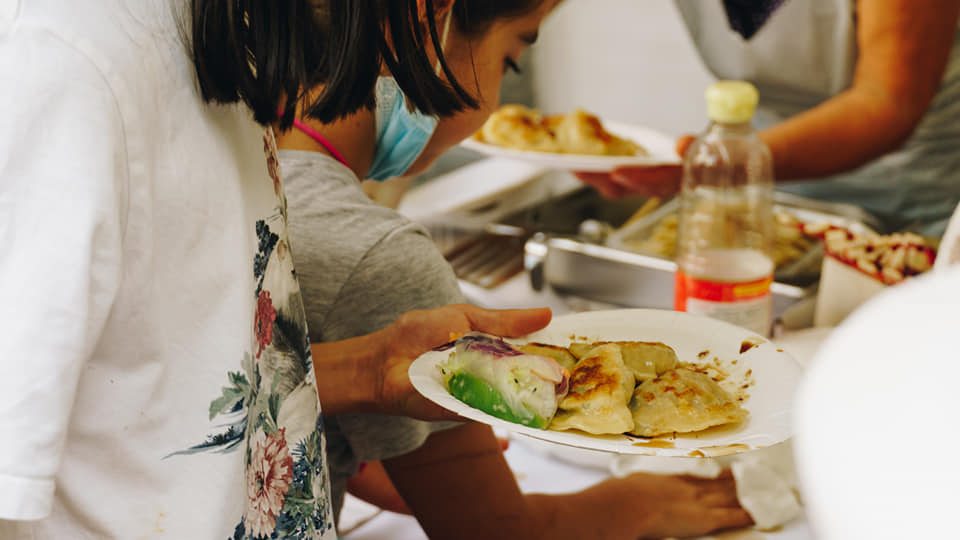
x: 468, y: 188
x: 775, y: 374
x: 660, y: 147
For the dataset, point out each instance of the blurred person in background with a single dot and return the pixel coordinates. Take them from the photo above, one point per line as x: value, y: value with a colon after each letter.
x: 859, y: 100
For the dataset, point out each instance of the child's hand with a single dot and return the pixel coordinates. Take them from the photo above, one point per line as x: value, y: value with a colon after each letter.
x: 682, y: 506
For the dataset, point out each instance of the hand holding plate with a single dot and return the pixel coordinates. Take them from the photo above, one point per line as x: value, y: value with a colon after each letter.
x: 420, y: 331
x: 652, y: 181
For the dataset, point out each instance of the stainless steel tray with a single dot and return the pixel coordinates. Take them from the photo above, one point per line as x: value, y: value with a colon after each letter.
x: 574, y: 265
x: 616, y: 276
x: 802, y: 270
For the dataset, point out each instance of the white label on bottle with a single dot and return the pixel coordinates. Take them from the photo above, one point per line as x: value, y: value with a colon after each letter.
x: 753, y: 314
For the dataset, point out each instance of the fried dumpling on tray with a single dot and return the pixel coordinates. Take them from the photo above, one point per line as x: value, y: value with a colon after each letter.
x: 600, y: 390
x: 646, y: 359
x: 681, y: 400
x: 520, y: 128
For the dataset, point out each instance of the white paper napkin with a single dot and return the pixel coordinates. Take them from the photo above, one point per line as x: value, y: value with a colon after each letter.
x: 766, y: 480
x: 949, y: 252
x: 355, y: 513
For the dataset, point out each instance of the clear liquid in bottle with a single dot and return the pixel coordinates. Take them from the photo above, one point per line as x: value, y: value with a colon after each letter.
x: 725, y: 222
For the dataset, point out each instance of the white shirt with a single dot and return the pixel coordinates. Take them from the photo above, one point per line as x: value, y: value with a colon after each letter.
x: 156, y: 378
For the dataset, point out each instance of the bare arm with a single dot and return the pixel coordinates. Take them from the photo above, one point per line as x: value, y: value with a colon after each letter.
x: 458, y: 485
x: 903, y: 50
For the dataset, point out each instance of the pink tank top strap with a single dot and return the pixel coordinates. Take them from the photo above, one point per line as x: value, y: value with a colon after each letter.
x: 321, y: 140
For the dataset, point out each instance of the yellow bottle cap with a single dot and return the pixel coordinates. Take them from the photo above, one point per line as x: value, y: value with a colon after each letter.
x: 731, y: 102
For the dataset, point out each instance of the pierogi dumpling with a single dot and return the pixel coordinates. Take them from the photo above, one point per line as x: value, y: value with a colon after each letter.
x: 582, y: 133
x: 520, y: 128
x: 645, y: 359
x: 681, y: 400
x: 600, y: 389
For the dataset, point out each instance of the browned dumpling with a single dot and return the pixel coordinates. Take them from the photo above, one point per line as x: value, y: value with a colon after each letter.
x: 560, y: 354
x: 579, y: 349
x: 645, y: 359
x: 582, y: 133
x: 600, y: 389
x: 681, y: 400
x: 520, y: 128
x: 523, y: 128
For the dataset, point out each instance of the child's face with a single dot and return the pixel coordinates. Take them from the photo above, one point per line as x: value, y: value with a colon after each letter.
x: 481, y: 73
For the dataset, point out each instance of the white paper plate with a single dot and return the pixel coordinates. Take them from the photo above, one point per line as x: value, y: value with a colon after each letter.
x: 775, y: 374
x: 477, y: 184
x: 661, y: 149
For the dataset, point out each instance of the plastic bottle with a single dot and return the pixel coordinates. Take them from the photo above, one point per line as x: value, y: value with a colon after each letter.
x: 725, y: 233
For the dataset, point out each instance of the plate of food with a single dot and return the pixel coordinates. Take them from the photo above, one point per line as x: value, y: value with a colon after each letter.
x: 578, y: 141
x: 635, y: 381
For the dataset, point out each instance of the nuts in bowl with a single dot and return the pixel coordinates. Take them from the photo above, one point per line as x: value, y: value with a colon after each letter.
x: 858, y: 266
x: 887, y: 258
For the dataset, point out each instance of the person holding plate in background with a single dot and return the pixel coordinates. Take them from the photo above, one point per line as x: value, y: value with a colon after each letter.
x: 859, y: 100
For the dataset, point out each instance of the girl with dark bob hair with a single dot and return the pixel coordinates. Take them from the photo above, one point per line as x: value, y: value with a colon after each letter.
x: 241, y: 56
x: 361, y: 265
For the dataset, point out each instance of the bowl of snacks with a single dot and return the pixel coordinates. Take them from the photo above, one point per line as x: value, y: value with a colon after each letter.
x: 858, y: 266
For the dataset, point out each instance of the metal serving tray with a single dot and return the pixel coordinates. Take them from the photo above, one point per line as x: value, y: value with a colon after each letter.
x: 802, y: 271
x: 615, y: 276
x: 574, y: 265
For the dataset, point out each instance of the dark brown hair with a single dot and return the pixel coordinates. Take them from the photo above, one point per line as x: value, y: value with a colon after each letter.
x: 267, y: 52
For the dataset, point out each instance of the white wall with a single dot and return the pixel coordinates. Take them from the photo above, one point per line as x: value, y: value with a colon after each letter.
x: 625, y: 60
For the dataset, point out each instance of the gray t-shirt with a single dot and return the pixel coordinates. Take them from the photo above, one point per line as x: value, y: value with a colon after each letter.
x: 360, y: 266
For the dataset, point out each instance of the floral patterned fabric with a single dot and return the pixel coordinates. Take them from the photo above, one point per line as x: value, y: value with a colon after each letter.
x: 269, y: 409
x: 153, y: 295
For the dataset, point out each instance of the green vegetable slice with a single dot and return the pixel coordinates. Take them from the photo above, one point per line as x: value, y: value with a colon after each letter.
x: 480, y: 395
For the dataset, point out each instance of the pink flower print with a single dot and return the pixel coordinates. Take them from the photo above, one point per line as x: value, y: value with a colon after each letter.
x: 273, y: 164
x: 268, y: 480
x: 263, y: 324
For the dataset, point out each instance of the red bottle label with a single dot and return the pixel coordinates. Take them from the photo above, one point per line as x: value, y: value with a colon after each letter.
x: 748, y: 304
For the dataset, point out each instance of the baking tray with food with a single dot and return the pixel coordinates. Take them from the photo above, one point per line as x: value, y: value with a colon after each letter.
x: 588, y: 257
x: 797, y: 254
